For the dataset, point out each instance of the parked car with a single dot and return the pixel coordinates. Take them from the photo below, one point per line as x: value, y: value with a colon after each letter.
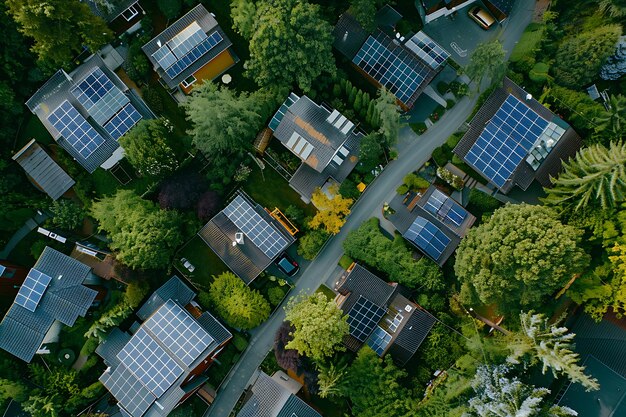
x: 287, y: 265
x: 187, y: 264
x: 482, y: 17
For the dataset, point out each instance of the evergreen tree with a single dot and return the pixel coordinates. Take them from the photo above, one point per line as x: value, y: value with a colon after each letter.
x: 330, y: 379
x: 236, y: 303
x: 487, y: 60
x: 388, y: 113
x: 612, y: 123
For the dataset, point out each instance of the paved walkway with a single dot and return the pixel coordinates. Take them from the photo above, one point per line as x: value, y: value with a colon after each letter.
x: 29, y: 225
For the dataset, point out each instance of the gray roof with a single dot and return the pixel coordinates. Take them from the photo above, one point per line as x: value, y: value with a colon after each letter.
x: 46, y: 173
x: 208, y: 23
x: 22, y: 331
x: 504, y: 7
x: 174, y: 289
x: 216, y: 329
x: 109, y: 14
x: 349, y: 36
x: 413, y: 331
x: 112, y: 344
x: 268, y: 398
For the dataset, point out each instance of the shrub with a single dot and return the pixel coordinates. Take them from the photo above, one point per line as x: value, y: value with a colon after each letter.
x: 295, y: 215
x: 481, y: 203
x: 239, y: 342
x: 441, y: 155
x: 275, y: 295
x: 311, y: 243
x: 414, y: 182
x: 37, y: 248
x: 442, y: 87
x: 525, y: 64
x: 402, y: 189
x: 348, y: 189
x: 453, y: 140
x: 450, y: 103
x: 419, y: 128
x: 450, y: 178
x: 153, y: 99
x: 459, y: 89
x: 539, y: 73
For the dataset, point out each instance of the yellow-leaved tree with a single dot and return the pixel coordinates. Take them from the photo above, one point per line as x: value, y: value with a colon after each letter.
x: 332, y: 210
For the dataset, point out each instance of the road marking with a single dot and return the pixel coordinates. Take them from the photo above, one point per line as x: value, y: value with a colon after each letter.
x: 458, y: 50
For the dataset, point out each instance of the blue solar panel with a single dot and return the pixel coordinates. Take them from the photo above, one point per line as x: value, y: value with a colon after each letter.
x: 379, y: 340
x: 428, y: 237
x: 363, y: 317
x: 99, y: 96
x: 194, y: 54
x: 506, y: 141
x: 123, y: 121
x: 395, y: 68
x: 445, y: 208
x: 75, y: 129
x: 32, y: 289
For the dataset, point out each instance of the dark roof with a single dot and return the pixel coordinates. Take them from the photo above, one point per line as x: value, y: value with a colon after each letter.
x: 173, y: 289
x: 296, y: 407
x: 246, y: 260
x: 216, y: 329
x: 361, y: 282
x: 504, y: 7
x: 209, y: 25
x: 14, y: 409
x: 349, y: 36
x: 524, y: 175
x: 111, y: 346
x: 109, y: 14
x: 22, y: 331
x: 46, y: 173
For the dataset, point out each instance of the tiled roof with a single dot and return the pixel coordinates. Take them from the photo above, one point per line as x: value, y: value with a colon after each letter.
x: 349, y: 36
x: 361, y: 282
x: 174, y: 289
x: 22, y: 331
x: 214, y: 328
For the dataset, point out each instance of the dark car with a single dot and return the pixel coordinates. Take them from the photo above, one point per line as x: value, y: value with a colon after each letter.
x: 287, y: 265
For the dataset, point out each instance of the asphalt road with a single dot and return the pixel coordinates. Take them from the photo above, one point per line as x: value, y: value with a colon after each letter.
x: 413, y: 151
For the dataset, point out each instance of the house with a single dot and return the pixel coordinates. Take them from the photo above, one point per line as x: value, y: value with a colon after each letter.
x: 433, y: 222
x: 380, y: 315
x: 435, y: 9
x: 384, y: 61
x: 324, y: 140
x: 11, y: 278
x: 192, y: 49
x: 53, y: 293
x: 162, y: 363
x: 274, y: 396
x: 43, y: 171
x: 602, y: 347
x: 120, y: 15
x: 514, y: 140
x: 246, y: 237
x: 87, y: 111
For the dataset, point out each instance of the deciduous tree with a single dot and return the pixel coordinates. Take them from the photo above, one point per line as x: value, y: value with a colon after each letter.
x: 66, y: 214
x: 487, y: 60
x: 364, y: 11
x: 388, y: 111
x: 239, y: 305
x: 332, y: 210
x: 243, y: 13
x: 147, y: 148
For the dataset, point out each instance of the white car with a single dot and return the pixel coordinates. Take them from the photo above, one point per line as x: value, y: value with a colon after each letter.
x: 187, y: 265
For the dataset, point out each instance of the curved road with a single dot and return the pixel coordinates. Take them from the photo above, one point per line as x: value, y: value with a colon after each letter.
x: 413, y: 151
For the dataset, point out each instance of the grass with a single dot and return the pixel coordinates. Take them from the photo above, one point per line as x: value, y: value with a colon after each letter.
x: 345, y: 261
x: 529, y: 41
x: 105, y: 183
x: 330, y: 294
x: 207, y: 263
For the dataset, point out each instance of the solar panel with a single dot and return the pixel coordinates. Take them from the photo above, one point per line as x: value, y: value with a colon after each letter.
x: 395, y: 68
x: 427, y: 49
x: 149, y: 362
x: 99, y: 96
x: 186, y: 39
x: 256, y: 228
x: 32, y: 289
x: 179, y: 332
x: 194, y: 54
x: 132, y: 395
x: 379, y: 340
x: 363, y: 317
x: 278, y: 116
x: 445, y: 208
x: 75, y: 129
x: 506, y: 141
x: 428, y: 237
x: 123, y: 121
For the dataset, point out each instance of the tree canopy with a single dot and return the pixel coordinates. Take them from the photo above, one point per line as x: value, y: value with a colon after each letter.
x: 522, y: 254
x: 612, y: 123
x: 144, y: 236
x: 487, y: 60
x: 290, y: 44
x: 147, y: 148
x: 388, y: 110
x: 332, y: 211
x: 319, y: 324
x: 66, y: 214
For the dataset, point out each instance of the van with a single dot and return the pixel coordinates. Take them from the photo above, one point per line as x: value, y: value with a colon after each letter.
x: 482, y: 17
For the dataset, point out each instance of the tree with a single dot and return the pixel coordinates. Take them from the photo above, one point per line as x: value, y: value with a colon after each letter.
x: 388, y: 111
x: 288, y: 359
x: 311, y: 243
x: 332, y: 210
x: 222, y: 123
x: 371, y: 153
x: 374, y: 387
x: 144, y: 236
x: 182, y: 191
x: 170, y: 8
x: 580, y: 57
x: 319, y: 324
x: 522, y: 254
x: 487, y: 60
x: 239, y: 305
x: 290, y: 44
x: 147, y: 149
x: 498, y: 395
x: 596, y: 176
x: 614, y: 8
x: 330, y: 379
x: 243, y: 13
x: 364, y: 11
x: 66, y: 214
x: 59, y: 28
x: 612, y: 123
x: 12, y: 390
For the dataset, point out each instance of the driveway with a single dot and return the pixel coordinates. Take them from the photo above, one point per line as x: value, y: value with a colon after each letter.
x: 413, y: 151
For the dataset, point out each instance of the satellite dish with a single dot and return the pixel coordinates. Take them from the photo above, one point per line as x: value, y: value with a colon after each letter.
x: 239, y: 238
x: 529, y: 96
x: 159, y: 43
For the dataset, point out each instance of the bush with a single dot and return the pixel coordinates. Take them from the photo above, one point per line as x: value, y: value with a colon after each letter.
x: 345, y: 261
x: 419, y: 128
x: 459, y: 89
x: 170, y: 8
x: 437, y: 113
x: 402, y: 189
x: 454, y: 140
x: 450, y: 103
x: 295, y: 215
x: 348, y: 189
x: 539, y: 73
x: 414, y: 182
x: 37, y: 248
x: 524, y: 65
x: 311, y: 243
x: 441, y: 155
x: 153, y: 99
x: 481, y: 203
x: 90, y: 346
x: 442, y: 87
x: 450, y: 178
x: 275, y: 295
x: 240, y: 342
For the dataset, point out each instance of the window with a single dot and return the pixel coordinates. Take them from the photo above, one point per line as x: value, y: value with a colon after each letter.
x: 130, y: 13
x: 188, y: 82
x: 393, y: 325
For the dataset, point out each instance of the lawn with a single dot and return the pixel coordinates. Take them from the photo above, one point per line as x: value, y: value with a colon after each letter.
x: 330, y: 294
x: 105, y: 184
x: 207, y: 263
x: 529, y: 41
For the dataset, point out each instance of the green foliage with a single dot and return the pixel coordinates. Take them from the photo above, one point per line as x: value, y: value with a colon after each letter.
x: 170, y: 8
x: 319, y: 324
x: 237, y: 304
x: 240, y: 342
x: 519, y: 256
x: 613, y: 8
x: 578, y: 108
x: 290, y: 44
x: 529, y: 43
x: 371, y: 152
x: 453, y: 180
x: 136, y: 65
x: 144, y: 236
x: 37, y: 248
x: 311, y: 243
x: 59, y: 28
x: 368, y: 245
x: 12, y: 390
x: 481, y: 203
x: 364, y: 11
x: 580, y: 56
x: 488, y: 59
x: 152, y: 98
x: 243, y: 13
x: 295, y: 215
x: 389, y: 114
x: 348, y: 189
x: 443, y: 87
x: 374, y: 387
x: 459, y: 89
x: 330, y: 379
x: 441, y: 349
x: 275, y: 295
x: 611, y: 124
x: 539, y: 73
x: 414, y: 182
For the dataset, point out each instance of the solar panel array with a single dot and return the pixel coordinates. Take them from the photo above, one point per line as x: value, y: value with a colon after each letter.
x: 75, y: 129
x: 185, y: 48
x: 363, y: 317
x: 427, y: 237
x: 123, y: 121
x: 506, y: 141
x: 179, y: 332
x: 149, y: 362
x: 379, y: 340
x: 99, y: 96
x: 256, y: 228
x: 280, y: 113
x: 392, y: 67
x: 427, y: 49
x: 445, y: 208
x: 32, y: 289
x: 134, y: 397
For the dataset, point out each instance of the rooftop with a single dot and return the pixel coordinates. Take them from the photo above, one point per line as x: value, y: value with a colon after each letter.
x: 110, y: 13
